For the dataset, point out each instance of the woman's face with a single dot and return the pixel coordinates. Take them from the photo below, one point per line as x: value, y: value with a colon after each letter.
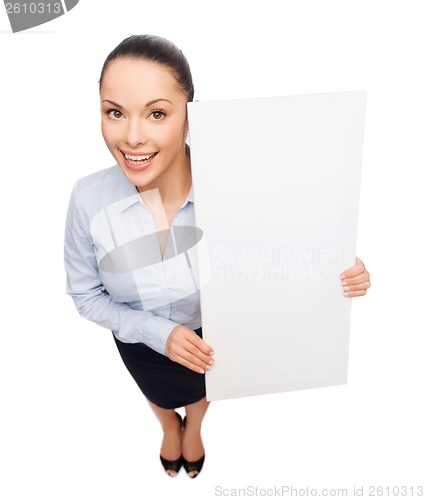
x: 144, y: 120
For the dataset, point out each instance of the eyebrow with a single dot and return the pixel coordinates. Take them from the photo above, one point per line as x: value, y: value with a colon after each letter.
x: 146, y: 106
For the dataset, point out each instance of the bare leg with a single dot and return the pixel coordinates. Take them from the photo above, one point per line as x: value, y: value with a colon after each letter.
x: 171, y: 448
x: 192, y: 445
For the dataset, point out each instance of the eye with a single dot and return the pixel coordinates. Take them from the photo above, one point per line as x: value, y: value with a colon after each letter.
x: 157, y: 114
x: 114, y: 113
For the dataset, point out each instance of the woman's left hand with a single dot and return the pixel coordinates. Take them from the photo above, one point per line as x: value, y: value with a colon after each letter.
x: 355, y: 280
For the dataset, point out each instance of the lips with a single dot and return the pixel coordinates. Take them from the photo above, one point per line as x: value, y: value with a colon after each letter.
x: 138, y: 161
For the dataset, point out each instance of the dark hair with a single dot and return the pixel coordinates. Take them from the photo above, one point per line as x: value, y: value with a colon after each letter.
x: 156, y: 49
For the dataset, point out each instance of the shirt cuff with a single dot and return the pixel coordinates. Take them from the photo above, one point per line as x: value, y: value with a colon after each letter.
x: 156, y: 331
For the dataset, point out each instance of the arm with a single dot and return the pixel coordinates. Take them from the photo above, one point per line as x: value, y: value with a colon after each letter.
x: 355, y: 280
x: 93, y: 302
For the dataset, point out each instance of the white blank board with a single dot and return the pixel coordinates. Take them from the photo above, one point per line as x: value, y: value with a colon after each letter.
x: 276, y: 184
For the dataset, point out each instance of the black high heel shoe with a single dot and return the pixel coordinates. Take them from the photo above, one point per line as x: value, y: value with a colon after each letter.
x: 192, y: 466
x: 173, y: 465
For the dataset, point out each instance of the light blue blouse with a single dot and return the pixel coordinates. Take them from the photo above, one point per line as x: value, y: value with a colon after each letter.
x: 115, y: 272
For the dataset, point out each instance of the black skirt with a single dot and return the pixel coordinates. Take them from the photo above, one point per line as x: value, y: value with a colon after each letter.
x: 164, y: 382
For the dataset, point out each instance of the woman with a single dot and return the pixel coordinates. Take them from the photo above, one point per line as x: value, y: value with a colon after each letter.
x: 110, y: 256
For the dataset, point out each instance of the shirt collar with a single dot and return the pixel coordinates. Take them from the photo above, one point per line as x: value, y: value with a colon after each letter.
x: 129, y: 196
x: 190, y: 197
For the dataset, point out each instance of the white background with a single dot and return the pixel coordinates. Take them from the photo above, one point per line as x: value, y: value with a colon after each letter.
x: 74, y: 424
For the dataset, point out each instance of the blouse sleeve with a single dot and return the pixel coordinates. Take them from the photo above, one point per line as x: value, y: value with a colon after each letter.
x: 91, y: 299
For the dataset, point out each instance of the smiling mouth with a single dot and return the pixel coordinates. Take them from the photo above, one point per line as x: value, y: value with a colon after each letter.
x: 138, y: 159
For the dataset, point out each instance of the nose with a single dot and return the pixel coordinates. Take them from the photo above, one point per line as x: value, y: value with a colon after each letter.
x: 136, y: 132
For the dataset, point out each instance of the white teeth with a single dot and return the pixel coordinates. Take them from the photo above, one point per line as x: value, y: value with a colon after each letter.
x: 138, y: 158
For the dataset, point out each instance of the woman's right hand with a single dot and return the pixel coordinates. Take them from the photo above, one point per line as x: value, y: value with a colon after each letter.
x: 185, y: 347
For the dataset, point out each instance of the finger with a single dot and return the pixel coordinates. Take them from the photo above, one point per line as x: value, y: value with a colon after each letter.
x: 201, y: 344
x: 185, y: 343
x: 358, y: 293
x: 197, y: 356
x: 181, y: 355
x: 352, y: 271
x: 360, y: 286
x: 358, y: 268
x: 186, y: 349
x: 188, y: 364
x: 361, y: 278
x: 194, y: 356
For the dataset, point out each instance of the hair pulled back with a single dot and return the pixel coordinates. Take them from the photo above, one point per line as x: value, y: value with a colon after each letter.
x: 156, y: 49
